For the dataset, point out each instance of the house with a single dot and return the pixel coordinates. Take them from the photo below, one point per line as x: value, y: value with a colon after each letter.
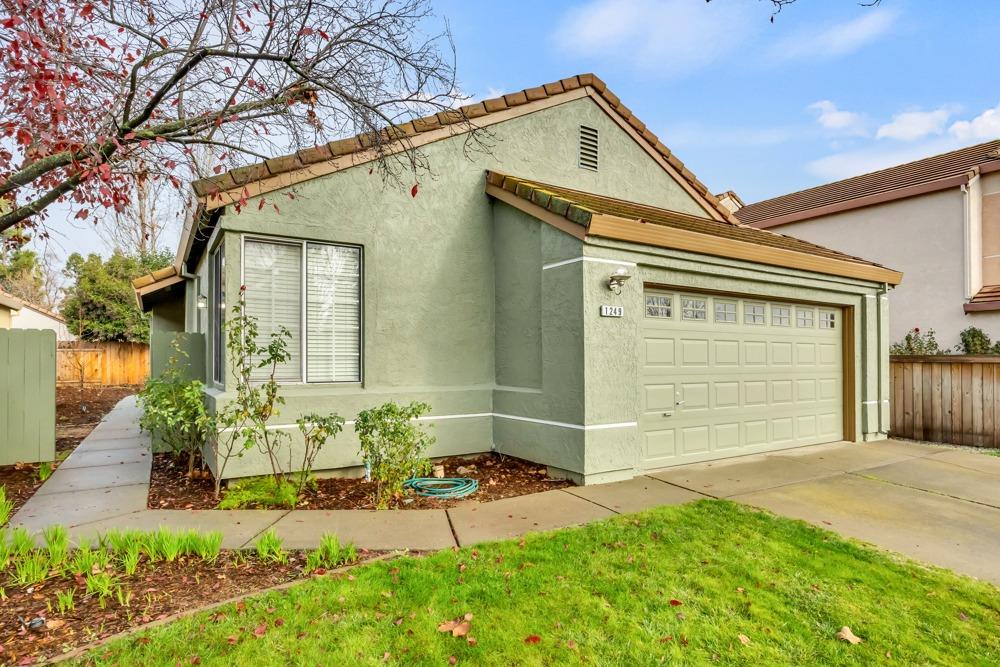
x: 576, y: 297
x: 19, y: 314
x: 936, y: 219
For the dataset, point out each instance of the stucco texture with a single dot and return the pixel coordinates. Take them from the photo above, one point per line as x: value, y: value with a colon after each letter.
x: 490, y: 315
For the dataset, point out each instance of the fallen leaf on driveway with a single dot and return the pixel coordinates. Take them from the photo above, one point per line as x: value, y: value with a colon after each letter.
x: 744, y: 639
x: 845, y: 634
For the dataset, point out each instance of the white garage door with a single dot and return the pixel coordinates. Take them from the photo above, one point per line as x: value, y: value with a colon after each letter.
x: 722, y: 376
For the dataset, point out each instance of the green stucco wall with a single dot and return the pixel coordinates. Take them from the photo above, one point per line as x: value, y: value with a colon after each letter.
x: 492, y: 316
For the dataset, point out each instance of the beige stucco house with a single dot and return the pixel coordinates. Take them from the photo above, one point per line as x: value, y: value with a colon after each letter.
x: 20, y: 314
x: 936, y: 219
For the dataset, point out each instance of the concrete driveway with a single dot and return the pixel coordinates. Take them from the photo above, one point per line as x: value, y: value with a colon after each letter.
x: 936, y: 504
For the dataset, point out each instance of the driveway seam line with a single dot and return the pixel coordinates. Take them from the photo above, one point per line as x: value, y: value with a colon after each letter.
x: 931, y: 491
x: 264, y: 529
x: 678, y: 486
x: 451, y: 527
x: 592, y: 502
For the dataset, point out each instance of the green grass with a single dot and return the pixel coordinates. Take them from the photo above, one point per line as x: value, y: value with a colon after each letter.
x: 603, y: 594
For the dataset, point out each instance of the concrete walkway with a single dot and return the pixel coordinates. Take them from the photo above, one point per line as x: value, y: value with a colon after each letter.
x: 940, y: 505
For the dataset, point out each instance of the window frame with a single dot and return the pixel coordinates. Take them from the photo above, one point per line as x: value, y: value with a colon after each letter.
x: 763, y: 313
x: 669, y: 306
x: 725, y: 302
x: 703, y: 309
x: 805, y: 311
x: 827, y: 320
x: 217, y: 271
x: 303, y: 300
x: 790, y: 314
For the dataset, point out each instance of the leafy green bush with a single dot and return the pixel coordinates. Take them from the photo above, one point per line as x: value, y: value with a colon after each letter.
x: 393, y: 446
x: 917, y: 343
x: 976, y: 341
x: 258, y: 492
x: 316, y: 430
x: 173, y: 409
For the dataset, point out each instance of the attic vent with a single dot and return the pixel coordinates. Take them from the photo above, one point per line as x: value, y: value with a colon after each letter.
x: 588, y: 148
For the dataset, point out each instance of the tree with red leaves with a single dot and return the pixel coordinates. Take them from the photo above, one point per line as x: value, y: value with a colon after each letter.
x: 89, y: 89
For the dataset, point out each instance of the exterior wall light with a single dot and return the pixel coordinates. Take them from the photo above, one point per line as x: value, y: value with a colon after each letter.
x: 617, y: 279
x: 202, y: 301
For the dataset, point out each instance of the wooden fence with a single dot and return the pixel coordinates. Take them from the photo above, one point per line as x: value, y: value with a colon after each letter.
x: 105, y: 363
x: 27, y: 395
x: 953, y: 399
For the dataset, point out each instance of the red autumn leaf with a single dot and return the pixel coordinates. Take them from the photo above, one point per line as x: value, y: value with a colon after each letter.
x: 163, y: 42
x: 675, y: 603
x: 532, y: 639
x: 232, y: 639
x: 413, y: 190
x: 260, y: 630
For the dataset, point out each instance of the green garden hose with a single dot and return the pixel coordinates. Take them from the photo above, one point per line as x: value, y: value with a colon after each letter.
x: 445, y: 487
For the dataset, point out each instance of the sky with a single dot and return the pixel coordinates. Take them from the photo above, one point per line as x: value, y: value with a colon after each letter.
x: 830, y: 89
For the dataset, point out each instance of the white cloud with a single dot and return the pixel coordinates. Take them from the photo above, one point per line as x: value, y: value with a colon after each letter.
x: 671, y: 37
x: 836, y: 40
x: 913, y: 125
x: 837, y: 120
x: 984, y: 127
x: 877, y: 156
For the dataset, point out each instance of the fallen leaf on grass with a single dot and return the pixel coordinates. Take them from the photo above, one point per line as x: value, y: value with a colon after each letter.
x: 452, y: 660
x: 532, y: 639
x: 744, y: 639
x: 845, y: 634
x: 675, y: 603
x: 260, y: 630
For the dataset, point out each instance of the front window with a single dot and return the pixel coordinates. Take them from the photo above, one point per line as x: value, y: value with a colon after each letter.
x: 218, y: 266
x: 314, y: 291
x: 693, y: 309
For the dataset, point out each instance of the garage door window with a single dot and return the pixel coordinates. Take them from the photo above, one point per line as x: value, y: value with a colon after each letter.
x: 781, y: 316
x: 827, y: 319
x: 753, y: 313
x: 804, y: 317
x: 659, y: 305
x: 725, y: 311
x: 694, y: 309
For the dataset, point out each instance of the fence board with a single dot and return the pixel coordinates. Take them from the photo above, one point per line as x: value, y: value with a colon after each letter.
x: 102, y: 363
x: 951, y: 399
x: 27, y: 395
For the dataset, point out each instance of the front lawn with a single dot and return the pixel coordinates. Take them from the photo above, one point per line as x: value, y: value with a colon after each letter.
x: 700, y: 583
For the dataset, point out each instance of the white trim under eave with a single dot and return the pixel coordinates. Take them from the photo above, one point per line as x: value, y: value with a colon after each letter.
x: 598, y: 260
x: 544, y: 422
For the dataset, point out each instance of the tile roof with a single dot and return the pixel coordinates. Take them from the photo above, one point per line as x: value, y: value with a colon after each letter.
x: 279, y: 165
x: 580, y: 207
x: 877, y: 185
x: 987, y: 298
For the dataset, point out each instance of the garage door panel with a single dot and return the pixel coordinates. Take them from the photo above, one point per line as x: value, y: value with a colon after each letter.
x: 711, y: 389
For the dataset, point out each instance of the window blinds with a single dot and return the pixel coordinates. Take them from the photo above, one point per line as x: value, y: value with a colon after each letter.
x: 333, y: 313
x: 272, y: 273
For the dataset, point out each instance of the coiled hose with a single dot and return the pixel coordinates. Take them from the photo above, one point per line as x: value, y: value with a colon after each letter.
x: 445, y: 487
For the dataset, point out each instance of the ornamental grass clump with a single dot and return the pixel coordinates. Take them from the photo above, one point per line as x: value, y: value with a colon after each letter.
x: 393, y: 446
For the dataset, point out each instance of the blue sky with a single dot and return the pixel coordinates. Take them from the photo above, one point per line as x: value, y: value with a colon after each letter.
x: 829, y: 90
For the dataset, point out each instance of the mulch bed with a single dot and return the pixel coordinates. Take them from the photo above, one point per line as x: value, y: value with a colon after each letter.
x: 499, y: 477
x: 157, y: 591
x: 75, y: 419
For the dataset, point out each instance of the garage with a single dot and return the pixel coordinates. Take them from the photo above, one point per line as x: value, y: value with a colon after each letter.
x: 724, y: 376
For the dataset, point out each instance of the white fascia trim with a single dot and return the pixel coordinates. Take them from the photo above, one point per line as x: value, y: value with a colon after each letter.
x: 545, y: 422
x: 598, y: 260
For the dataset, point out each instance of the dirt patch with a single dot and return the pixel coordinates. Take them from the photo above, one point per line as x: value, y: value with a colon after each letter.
x: 78, y: 413
x: 498, y: 476
x: 76, y: 417
x: 154, y: 592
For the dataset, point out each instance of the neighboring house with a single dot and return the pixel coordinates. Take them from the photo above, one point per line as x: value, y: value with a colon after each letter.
x: 576, y: 298
x: 936, y: 219
x: 19, y: 314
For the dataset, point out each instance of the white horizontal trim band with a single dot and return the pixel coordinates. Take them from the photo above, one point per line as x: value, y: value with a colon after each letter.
x: 545, y: 422
x: 598, y: 260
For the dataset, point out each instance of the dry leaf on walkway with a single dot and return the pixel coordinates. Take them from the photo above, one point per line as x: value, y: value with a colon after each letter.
x: 845, y: 634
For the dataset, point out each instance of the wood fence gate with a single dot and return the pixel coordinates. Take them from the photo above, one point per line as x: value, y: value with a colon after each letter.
x: 945, y: 398
x: 27, y: 395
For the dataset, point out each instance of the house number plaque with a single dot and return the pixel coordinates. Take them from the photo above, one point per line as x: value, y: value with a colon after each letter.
x: 612, y: 311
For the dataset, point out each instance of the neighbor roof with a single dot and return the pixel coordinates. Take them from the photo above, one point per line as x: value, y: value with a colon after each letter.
x: 930, y: 174
x: 596, y: 215
x: 8, y: 300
